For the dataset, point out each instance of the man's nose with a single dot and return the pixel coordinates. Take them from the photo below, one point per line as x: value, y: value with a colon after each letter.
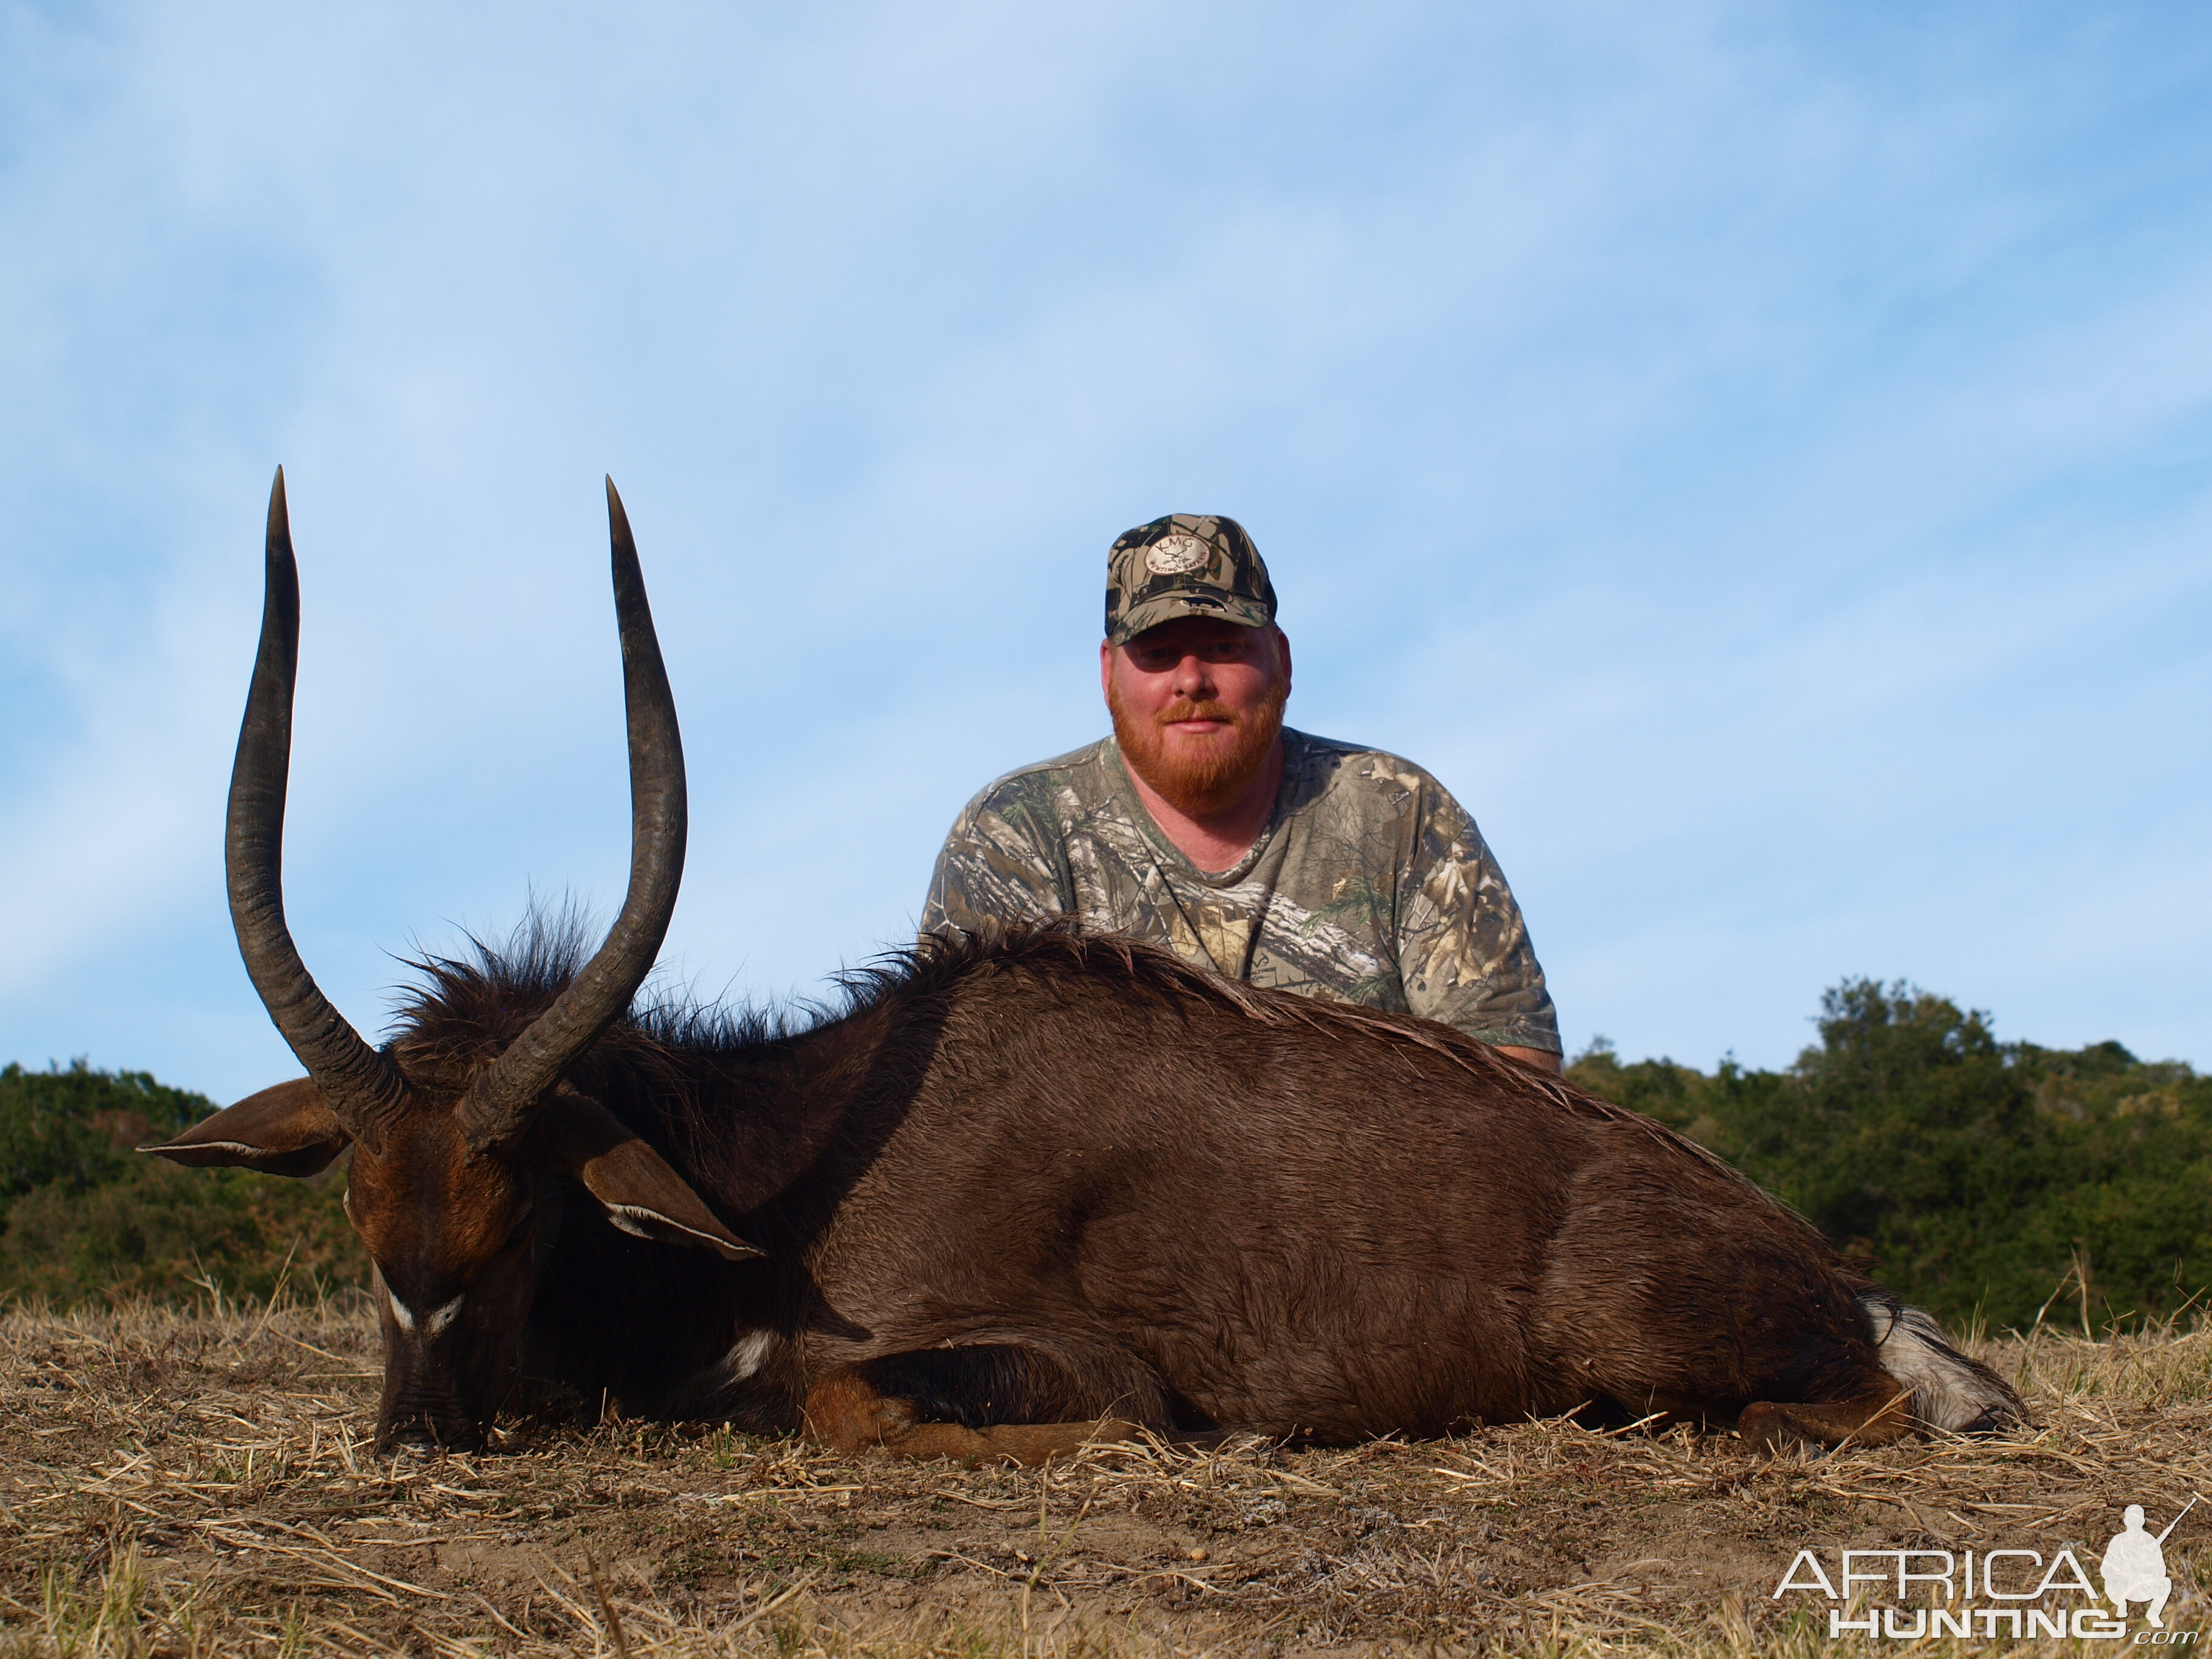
x: 1193, y: 677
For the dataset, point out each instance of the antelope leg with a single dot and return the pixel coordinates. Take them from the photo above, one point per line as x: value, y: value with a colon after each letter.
x: 847, y: 1410
x: 1874, y: 1419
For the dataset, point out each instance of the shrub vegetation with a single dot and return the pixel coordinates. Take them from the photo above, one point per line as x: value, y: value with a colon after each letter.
x: 1982, y: 1180
x: 83, y: 1218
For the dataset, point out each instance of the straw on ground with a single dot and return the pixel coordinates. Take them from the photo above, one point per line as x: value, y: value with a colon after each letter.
x: 199, y: 1484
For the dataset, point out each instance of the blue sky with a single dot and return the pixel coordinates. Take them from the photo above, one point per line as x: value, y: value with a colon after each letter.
x: 1756, y: 457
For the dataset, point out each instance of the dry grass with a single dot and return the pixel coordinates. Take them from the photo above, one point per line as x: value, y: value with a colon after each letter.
x: 187, y: 1486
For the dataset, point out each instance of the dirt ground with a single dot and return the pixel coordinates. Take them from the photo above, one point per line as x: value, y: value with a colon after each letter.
x: 182, y: 1486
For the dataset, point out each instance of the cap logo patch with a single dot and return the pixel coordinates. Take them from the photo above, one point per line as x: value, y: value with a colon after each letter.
x: 1176, y: 556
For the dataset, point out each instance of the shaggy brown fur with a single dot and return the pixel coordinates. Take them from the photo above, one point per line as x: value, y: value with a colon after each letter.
x: 1048, y: 1178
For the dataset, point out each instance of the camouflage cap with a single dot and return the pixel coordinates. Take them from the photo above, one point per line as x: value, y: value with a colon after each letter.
x: 1187, y: 564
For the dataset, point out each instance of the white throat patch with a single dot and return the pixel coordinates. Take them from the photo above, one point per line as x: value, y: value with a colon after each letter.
x: 747, y: 1355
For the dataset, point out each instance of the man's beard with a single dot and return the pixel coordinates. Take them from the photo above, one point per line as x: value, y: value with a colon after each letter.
x: 1212, y: 778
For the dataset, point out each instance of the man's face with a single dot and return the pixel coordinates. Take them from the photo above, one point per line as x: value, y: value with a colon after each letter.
x: 1197, y: 704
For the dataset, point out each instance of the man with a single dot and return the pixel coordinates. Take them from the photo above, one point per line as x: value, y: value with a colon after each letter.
x: 1205, y: 824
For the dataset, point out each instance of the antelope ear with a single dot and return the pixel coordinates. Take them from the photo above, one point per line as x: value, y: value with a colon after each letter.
x: 641, y: 1193
x: 286, y: 1131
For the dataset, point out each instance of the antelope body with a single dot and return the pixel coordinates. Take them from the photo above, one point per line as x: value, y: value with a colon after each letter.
x: 1021, y: 1188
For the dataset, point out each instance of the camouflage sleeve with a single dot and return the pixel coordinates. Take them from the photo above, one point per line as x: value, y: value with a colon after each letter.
x: 995, y: 867
x: 1463, y: 950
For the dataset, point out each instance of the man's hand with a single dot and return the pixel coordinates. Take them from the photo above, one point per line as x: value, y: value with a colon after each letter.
x: 1542, y: 1058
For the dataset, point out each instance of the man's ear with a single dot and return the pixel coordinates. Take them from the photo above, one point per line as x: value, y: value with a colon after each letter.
x: 286, y: 1131
x: 641, y: 1193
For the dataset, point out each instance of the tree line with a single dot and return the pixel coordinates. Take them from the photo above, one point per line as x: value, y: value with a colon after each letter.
x: 1988, y: 1182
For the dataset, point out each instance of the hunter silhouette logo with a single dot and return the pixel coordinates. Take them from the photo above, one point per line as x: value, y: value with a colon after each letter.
x: 2135, y: 1565
x: 2021, y: 1592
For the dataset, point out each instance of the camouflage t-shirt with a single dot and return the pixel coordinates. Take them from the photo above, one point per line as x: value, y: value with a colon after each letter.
x: 1369, y: 885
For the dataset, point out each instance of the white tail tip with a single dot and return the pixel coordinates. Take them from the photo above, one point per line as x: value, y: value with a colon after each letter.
x: 1949, y: 1391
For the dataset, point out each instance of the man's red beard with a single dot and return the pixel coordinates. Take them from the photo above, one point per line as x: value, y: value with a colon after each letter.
x: 1198, y: 780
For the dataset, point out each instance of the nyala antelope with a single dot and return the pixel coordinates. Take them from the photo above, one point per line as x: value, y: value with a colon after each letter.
x: 1022, y: 1191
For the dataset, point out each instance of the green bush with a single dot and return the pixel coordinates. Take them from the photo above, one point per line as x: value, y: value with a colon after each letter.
x: 83, y: 1218
x: 1978, y: 1178
x: 73, y: 1130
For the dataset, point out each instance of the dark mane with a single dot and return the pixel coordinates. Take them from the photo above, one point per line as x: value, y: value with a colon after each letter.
x: 1060, y: 949
x: 463, y: 1008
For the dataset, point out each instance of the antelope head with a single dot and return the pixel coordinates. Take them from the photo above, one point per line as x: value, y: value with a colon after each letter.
x: 454, y: 1183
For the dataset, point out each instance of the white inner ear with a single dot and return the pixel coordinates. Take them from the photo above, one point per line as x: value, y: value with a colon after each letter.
x: 631, y: 1219
x: 637, y: 1219
x: 642, y: 1223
